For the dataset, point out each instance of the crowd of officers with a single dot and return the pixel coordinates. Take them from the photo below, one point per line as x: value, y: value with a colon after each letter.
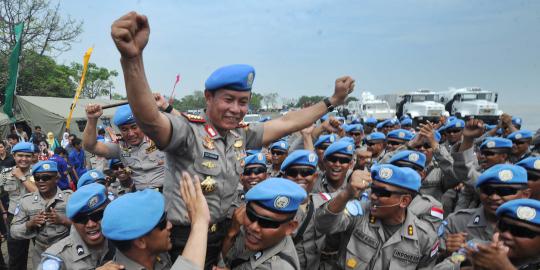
x: 303, y: 191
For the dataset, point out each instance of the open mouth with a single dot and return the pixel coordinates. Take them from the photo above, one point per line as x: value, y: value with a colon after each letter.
x: 93, y: 234
x: 252, y: 238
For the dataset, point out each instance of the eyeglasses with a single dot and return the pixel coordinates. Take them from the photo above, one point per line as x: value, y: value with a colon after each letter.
x: 304, y: 172
x: 519, y: 142
x: 488, y: 153
x: 501, y: 191
x: 95, y: 216
x: 342, y: 160
x: 254, y: 170
x: 382, y: 192
x: 516, y: 230
x: 370, y: 125
x: 355, y: 133
x: 162, y: 224
x: 19, y: 155
x: 44, y: 177
x: 264, y: 222
x: 453, y: 130
x: 322, y: 146
x: 278, y: 153
x: 395, y: 143
x: 425, y: 146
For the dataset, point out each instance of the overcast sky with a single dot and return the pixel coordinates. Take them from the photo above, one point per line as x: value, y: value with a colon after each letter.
x: 299, y: 47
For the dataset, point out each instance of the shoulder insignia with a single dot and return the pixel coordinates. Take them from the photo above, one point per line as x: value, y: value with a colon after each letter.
x: 325, y: 196
x: 437, y: 212
x: 410, y: 230
x: 6, y: 170
x: 80, y: 250
x: 194, y: 118
x: 476, y: 219
x: 257, y: 255
x: 49, y: 261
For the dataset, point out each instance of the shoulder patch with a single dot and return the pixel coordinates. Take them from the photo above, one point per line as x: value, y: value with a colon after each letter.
x: 194, y: 118
x: 6, y: 170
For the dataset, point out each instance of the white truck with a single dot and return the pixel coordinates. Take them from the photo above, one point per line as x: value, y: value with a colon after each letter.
x: 368, y: 106
x: 472, y: 102
x: 421, y: 106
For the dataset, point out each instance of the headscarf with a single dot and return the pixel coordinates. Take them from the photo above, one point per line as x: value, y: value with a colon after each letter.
x: 53, y: 143
x: 65, y: 139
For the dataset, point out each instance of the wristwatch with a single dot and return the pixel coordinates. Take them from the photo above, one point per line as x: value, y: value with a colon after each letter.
x: 329, y: 106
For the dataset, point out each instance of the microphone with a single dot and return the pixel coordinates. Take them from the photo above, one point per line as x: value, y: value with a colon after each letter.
x: 385, y: 206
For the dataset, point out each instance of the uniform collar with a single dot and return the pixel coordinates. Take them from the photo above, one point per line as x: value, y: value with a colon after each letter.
x: 408, y: 228
x: 128, y: 263
x: 260, y: 257
x: 80, y: 249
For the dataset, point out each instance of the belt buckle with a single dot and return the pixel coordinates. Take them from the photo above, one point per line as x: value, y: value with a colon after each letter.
x: 213, y: 228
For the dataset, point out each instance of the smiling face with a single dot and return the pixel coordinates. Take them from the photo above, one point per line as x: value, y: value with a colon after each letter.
x: 132, y: 134
x: 520, y: 248
x: 23, y: 160
x: 299, y: 174
x: 226, y: 108
x: 90, y: 231
x: 337, y: 166
x: 252, y: 175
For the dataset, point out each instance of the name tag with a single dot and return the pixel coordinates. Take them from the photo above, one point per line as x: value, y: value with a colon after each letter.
x: 126, y: 154
x: 210, y: 156
x: 366, y: 239
x: 404, y: 256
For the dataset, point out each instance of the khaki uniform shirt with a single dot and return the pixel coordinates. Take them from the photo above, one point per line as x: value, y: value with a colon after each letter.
x: 146, y: 162
x: 413, y: 246
x: 196, y: 147
x: 471, y: 221
x: 163, y: 262
x: 427, y: 208
x: 440, y: 174
x: 309, y: 245
x: 322, y: 185
x: 14, y: 187
x: 282, y: 256
x: 73, y: 254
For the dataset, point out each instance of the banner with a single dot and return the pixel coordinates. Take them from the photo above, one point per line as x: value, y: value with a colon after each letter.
x: 81, y: 85
x: 13, y: 70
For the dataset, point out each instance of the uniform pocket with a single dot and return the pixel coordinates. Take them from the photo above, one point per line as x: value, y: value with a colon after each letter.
x: 10, y: 186
x: 207, y: 166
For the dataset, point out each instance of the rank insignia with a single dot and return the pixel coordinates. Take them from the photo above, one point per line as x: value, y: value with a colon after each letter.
x: 371, y: 219
x: 238, y: 143
x: 208, y: 143
x: 410, y: 230
x: 213, y: 228
x: 208, y: 185
x: 351, y: 263
x: 209, y: 164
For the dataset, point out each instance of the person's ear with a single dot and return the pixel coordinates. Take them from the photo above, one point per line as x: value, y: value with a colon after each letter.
x: 291, y: 227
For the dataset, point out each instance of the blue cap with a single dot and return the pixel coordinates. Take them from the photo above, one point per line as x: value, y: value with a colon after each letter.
x: 400, y: 134
x: 329, y: 138
x: 411, y: 157
x: 113, y: 162
x: 456, y: 123
x: 252, y: 152
x: 396, y: 176
x: 520, y: 135
x: 371, y: 120
x: 280, y: 145
x: 300, y: 157
x: 517, y: 121
x: 233, y: 77
x: 277, y: 194
x: 353, y: 128
x: 530, y: 164
x: 25, y: 147
x: 406, y: 122
x: 86, y: 199
x: 123, y: 116
x: 342, y: 146
x: 375, y: 136
x: 45, y: 166
x: 133, y: 215
x: 503, y: 174
x: 493, y: 143
x: 258, y: 158
x: 436, y: 134
x: 89, y: 177
x: 527, y: 210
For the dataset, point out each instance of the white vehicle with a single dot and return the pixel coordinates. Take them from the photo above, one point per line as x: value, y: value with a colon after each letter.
x: 472, y: 102
x: 369, y: 106
x: 422, y: 105
x: 252, y: 118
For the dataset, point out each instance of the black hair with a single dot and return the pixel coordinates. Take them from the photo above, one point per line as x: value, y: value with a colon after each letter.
x: 76, y: 141
x: 60, y: 150
x: 36, y: 127
x: 13, y: 136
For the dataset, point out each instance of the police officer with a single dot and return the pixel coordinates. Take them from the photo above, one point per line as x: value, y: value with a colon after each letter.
x: 355, y: 131
x: 136, y: 151
x: 369, y: 125
x: 85, y: 247
x: 376, y: 144
x: 453, y: 131
x: 18, y: 181
x: 144, y: 244
x: 215, y: 136
x: 91, y: 176
x: 532, y: 165
x: 265, y: 239
x: 320, y: 146
x: 279, y: 151
x: 338, y: 161
x: 390, y: 236
x: 397, y: 138
x: 498, y: 184
x: 121, y: 182
x: 254, y: 171
x: 521, y: 142
x: 406, y: 123
x: 40, y: 215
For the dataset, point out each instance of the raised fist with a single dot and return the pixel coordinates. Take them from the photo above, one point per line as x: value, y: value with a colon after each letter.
x: 130, y: 34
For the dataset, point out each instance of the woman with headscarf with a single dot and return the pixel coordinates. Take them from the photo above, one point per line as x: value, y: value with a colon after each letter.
x: 65, y: 140
x: 51, y: 140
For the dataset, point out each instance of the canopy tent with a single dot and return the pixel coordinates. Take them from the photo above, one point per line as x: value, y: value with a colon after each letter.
x: 51, y: 114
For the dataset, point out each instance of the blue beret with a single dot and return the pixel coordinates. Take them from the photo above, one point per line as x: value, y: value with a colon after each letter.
x: 436, y: 134
x: 400, y: 134
x: 300, y: 157
x: 355, y: 121
x: 371, y: 120
x: 496, y: 143
x: 527, y: 210
x: 520, y: 135
x: 503, y: 174
x: 489, y: 127
x: 530, y: 163
x: 451, y: 118
x: 113, y: 162
x: 400, y: 177
x: 252, y: 152
x: 24, y: 147
x: 403, y: 117
x: 133, y: 215
x: 375, y: 136
x: 456, y: 123
x: 330, y: 138
x: 342, y: 146
x: 406, y: 122
x: 258, y: 158
x: 277, y: 194
x: 413, y: 157
x: 123, y: 116
x: 324, y: 117
x: 281, y: 145
x: 86, y: 199
x: 234, y: 77
x: 45, y: 166
x: 517, y: 121
x: 382, y: 124
x: 353, y: 128
x: 89, y: 177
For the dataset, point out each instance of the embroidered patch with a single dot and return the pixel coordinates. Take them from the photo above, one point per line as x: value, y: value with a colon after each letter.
x: 281, y: 202
x: 506, y: 175
x: 366, y: 239
x: 407, y: 257
x: 211, y: 155
x: 526, y: 213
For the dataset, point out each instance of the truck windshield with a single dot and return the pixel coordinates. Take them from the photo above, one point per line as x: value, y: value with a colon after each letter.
x: 481, y: 96
x: 375, y: 106
x: 421, y: 98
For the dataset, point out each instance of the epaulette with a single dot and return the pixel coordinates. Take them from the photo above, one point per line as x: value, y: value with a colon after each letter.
x: 242, y: 124
x: 6, y: 170
x: 194, y: 118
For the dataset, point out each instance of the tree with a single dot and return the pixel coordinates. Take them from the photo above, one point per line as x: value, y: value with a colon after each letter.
x: 349, y: 99
x: 255, y: 102
x: 98, y: 79
x: 304, y: 101
x: 116, y: 96
x: 191, y: 102
x: 44, y: 29
x: 270, y: 100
